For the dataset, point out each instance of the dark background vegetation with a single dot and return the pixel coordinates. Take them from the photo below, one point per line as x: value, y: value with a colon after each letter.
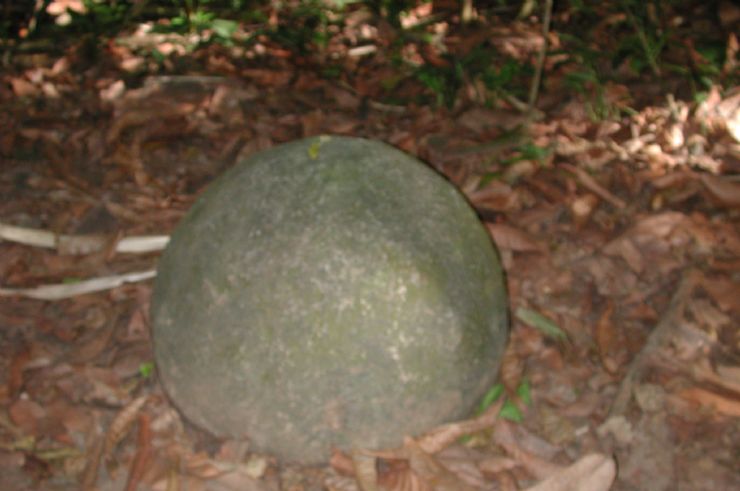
x: 676, y: 46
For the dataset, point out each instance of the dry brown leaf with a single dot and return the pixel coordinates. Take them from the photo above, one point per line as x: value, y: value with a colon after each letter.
x: 725, y: 292
x: 311, y: 122
x: 625, y: 248
x: 513, y: 239
x: 342, y: 463
x: 582, y: 207
x: 463, y: 462
x: 365, y: 471
x: 710, y: 318
x: 18, y: 364
x: 726, y: 192
x: 607, y: 340
x: 435, y: 440
x: 651, y: 227
x: 594, y: 472
x: 93, y: 456
x: 27, y: 414
x: 496, y: 196
x: 23, y: 88
x: 92, y: 345
x: 729, y: 377
x: 143, y: 453
x: 590, y: 183
x: 721, y: 404
x: 538, y: 467
x: 122, y: 423
x: 495, y: 465
x: 512, y: 368
x: 673, y: 179
x: 340, y: 483
x: 429, y: 470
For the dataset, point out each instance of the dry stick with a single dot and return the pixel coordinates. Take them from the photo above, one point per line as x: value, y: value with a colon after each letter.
x: 589, y: 183
x: 534, y: 89
x: 656, y: 339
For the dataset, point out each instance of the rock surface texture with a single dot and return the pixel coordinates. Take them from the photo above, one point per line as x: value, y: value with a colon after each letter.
x: 330, y: 292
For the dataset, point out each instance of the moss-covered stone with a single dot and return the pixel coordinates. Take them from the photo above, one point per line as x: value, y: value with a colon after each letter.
x: 330, y: 292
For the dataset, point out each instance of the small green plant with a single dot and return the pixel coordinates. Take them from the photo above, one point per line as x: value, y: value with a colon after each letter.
x: 304, y: 27
x: 194, y: 18
x: 442, y: 82
x: 146, y: 369
x: 509, y: 410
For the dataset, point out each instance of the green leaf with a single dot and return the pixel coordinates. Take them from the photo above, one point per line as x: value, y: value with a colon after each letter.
x: 490, y: 397
x: 224, y: 28
x: 511, y: 412
x: 524, y: 392
x: 146, y: 369
x: 542, y: 323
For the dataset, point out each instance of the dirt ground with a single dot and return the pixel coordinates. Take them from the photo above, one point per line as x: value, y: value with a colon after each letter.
x: 620, y: 243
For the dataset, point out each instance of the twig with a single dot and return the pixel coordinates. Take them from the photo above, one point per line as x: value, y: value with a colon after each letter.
x: 80, y: 244
x: 593, y: 186
x: 656, y: 339
x: 535, y: 87
x: 63, y: 290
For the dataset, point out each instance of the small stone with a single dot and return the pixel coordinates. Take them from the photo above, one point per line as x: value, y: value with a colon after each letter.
x: 649, y: 397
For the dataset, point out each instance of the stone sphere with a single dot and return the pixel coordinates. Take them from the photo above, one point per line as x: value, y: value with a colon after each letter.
x: 331, y: 292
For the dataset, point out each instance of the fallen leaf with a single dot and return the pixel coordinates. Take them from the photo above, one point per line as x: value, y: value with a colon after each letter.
x: 535, y: 465
x: 513, y: 239
x: 143, y: 453
x: 594, y: 472
x: 712, y: 400
x: 726, y: 192
x: 23, y: 88
x: 122, y: 423
x: 607, y: 340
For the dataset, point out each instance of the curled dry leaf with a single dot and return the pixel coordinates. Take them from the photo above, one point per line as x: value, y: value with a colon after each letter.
x: 443, y: 436
x: 365, y: 471
x: 122, y: 423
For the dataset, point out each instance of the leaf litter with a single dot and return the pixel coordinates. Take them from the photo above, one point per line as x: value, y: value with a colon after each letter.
x: 622, y: 239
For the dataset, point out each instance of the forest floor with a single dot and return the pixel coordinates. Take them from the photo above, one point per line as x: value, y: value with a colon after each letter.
x: 620, y: 243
